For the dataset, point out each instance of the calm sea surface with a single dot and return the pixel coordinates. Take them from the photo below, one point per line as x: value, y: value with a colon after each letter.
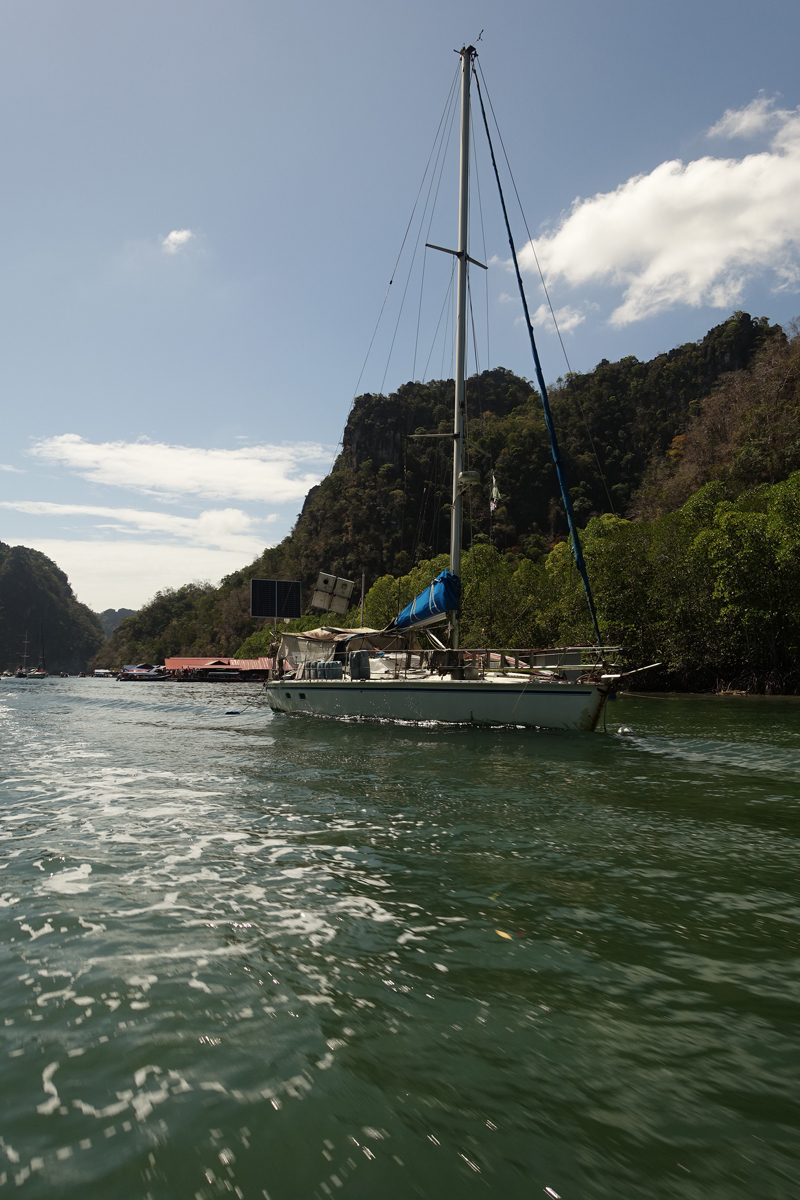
x: 265, y: 956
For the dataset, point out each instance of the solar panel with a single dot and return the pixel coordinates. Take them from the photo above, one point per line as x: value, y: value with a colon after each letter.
x: 275, y: 598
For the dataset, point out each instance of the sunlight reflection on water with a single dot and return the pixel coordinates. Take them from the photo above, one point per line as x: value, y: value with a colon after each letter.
x: 265, y: 955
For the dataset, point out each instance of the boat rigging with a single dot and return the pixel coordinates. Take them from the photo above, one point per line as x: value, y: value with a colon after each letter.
x: 365, y: 673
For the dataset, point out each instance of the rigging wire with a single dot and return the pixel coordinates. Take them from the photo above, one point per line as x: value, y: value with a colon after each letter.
x: 451, y: 315
x: 474, y: 335
x: 532, y: 245
x: 419, y: 312
x: 441, y: 157
x: 479, y: 385
x: 446, y: 329
x: 436, y: 140
x: 548, y: 416
x: 451, y: 299
x: 439, y: 322
x: 420, y: 520
x: 440, y: 163
x: 483, y: 240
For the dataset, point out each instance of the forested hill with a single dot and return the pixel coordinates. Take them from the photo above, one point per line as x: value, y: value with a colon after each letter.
x: 35, y: 597
x: 385, y: 504
x: 623, y: 427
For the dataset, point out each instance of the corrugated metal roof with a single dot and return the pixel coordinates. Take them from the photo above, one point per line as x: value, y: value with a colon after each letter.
x: 240, y: 664
x: 175, y: 664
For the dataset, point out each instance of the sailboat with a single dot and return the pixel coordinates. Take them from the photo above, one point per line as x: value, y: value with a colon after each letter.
x: 562, y: 688
x: 22, y: 670
x: 40, y: 671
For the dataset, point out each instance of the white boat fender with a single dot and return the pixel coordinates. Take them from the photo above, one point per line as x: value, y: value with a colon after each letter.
x: 624, y: 729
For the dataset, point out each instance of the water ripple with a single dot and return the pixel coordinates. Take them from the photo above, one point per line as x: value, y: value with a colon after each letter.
x: 276, y: 957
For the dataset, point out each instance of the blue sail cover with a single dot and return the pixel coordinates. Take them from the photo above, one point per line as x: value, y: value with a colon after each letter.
x: 441, y: 597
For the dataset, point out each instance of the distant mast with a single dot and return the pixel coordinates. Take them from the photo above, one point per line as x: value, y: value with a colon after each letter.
x: 467, y: 54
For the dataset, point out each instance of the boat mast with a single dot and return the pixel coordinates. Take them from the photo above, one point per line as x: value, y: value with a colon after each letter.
x: 467, y: 53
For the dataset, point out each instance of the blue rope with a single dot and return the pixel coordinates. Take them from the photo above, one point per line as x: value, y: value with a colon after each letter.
x: 548, y: 416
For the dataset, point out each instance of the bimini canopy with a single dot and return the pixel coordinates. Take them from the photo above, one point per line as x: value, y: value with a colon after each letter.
x: 433, y: 604
x: 321, y: 645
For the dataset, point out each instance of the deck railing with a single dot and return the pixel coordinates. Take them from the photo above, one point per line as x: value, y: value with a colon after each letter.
x: 562, y: 662
x: 569, y: 661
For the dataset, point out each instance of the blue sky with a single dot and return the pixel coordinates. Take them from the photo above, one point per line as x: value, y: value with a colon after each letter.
x: 203, y: 203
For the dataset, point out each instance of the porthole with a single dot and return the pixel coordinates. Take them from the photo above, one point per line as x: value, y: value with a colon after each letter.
x: 288, y: 695
x: 302, y: 695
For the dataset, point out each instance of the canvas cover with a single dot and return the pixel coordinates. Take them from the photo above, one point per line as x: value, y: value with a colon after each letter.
x: 432, y: 605
x: 299, y: 648
x: 320, y: 645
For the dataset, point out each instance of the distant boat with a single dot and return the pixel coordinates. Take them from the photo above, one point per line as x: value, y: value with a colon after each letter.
x: 40, y: 671
x: 22, y: 670
x: 142, y: 672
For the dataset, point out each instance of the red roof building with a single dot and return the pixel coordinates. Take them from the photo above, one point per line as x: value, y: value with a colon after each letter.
x: 203, y: 664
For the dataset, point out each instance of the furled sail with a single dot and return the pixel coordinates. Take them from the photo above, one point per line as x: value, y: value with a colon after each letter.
x: 442, y: 597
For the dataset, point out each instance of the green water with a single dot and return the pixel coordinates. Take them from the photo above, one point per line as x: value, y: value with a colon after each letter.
x: 261, y: 956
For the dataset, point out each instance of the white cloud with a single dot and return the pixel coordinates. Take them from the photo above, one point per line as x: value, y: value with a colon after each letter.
x: 226, y: 529
x: 568, y: 318
x: 126, y: 574
x: 173, y: 242
x: 269, y: 474
x: 754, y: 118
x: 8, y: 467
x: 689, y: 233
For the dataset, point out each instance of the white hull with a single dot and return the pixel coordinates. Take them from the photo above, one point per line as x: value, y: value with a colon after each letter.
x: 464, y: 701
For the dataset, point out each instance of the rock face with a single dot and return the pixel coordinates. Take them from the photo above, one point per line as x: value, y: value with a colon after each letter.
x: 111, y: 617
x: 386, y: 503
x: 35, y: 597
x: 385, y: 506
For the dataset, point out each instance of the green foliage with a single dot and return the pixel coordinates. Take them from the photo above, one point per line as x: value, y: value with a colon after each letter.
x: 385, y: 507
x: 712, y: 591
x: 182, y: 621
x: 634, y: 410
x: 257, y: 645
x: 746, y: 432
x: 34, y: 592
x: 501, y: 600
x: 388, y: 597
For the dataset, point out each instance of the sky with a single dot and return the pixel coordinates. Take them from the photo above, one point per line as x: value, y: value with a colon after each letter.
x: 203, y: 204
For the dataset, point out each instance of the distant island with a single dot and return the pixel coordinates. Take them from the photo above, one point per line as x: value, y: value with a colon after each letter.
x: 111, y: 617
x: 36, y: 598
